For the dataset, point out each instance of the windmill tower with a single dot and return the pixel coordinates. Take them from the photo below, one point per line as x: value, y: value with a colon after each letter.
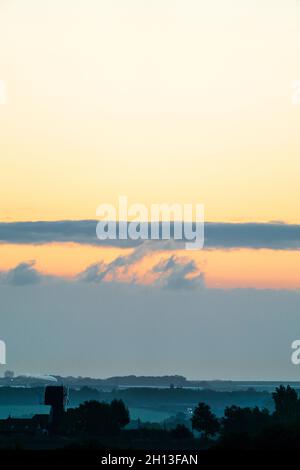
x: 56, y: 397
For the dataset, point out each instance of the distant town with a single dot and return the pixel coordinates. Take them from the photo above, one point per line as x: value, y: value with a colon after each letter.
x: 107, y: 384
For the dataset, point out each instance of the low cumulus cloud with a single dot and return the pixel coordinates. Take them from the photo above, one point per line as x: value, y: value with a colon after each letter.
x: 98, y: 271
x: 273, y: 235
x: 174, y: 273
x: 23, y: 274
x: 170, y: 273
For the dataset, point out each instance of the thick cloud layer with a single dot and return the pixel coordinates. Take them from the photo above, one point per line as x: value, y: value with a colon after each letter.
x: 217, y: 235
x: 114, y: 329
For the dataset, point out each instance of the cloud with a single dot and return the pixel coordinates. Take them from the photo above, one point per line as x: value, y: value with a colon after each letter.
x: 174, y: 272
x: 81, y: 231
x: 24, y: 273
x: 170, y: 273
x: 93, y: 273
x: 97, y: 272
x: 273, y: 235
x: 67, y: 328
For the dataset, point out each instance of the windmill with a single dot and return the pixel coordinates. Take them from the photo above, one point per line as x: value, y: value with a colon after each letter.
x: 56, y: 397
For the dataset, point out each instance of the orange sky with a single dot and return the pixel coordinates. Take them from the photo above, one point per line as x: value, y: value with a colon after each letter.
x: 158, y: 101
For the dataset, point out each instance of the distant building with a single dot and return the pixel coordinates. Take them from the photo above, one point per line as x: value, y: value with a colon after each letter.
x: 35, y: 425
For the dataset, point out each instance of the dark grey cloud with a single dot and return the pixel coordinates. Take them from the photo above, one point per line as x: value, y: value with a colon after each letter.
x: 273, y: 235
x: 79, y: 231
x: 276, y: 236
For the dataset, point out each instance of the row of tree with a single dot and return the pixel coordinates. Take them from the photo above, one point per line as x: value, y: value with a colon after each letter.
x: 239, y: 427
x: 253, y: 426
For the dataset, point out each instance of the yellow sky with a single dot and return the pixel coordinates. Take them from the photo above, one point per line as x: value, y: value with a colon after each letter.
x: 163, y: 101
x: 185, y: 101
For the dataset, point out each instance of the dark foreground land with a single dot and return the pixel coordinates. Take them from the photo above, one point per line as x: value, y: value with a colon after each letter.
x: 97, y: 426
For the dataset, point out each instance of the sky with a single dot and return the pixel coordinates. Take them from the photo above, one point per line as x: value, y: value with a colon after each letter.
x: 163, y: 101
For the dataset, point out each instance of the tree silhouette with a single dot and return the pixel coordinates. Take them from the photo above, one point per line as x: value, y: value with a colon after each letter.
x: 287, y: 404
x: 96, y: 418
x: 239, y: 420
x: 205, y: 421
x: 120, y: 413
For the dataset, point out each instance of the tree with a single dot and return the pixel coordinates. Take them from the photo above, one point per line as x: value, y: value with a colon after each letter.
x: 287, y: 404
x: 96, y: 418
x: 247, y: 420
x: 205, y: 421
x: 120, y: 413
